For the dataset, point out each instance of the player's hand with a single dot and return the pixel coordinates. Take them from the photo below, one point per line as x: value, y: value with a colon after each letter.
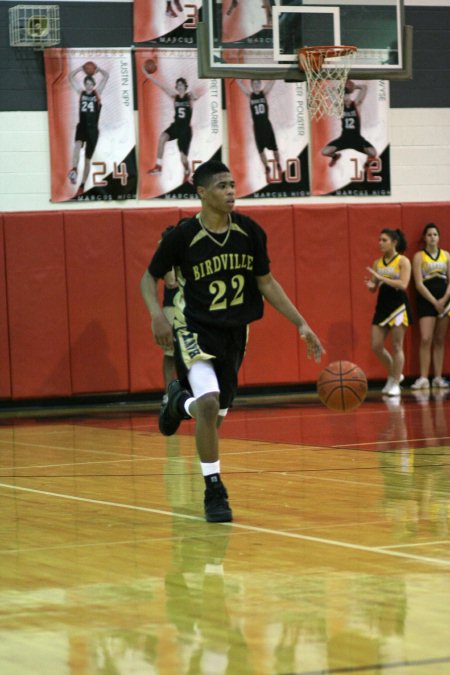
x: 370, y: 283
x: 162, y: 331
x: 314, y: 347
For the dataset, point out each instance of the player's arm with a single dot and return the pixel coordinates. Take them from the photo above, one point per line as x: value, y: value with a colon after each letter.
x: 161, y: 328
x: 440, y: 304
x: 268, y: 87
x: 400, y: 284
x: 418, y: 279
x: 72, y: 79
x: 167, y: 90
x: 274, y: 293
x: 104, y: 80
x: 170, y: 279
x: 242, y: 87
x: 361, y: 93
x: 446, y: 296
x: 372, y: 282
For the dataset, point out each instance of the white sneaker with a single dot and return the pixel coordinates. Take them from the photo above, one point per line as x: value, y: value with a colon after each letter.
x: 421, y: 383
x: 440, y: 383
x: 389, y: 382
x: 388, y: 385
x: 394, y: 390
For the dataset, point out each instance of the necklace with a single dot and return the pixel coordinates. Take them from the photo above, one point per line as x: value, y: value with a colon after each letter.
x: 209, y: 233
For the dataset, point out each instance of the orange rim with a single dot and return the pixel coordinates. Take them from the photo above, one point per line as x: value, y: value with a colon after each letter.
x: 330, y: 50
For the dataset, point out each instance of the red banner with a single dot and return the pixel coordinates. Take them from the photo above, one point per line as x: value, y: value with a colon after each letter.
x: 91, y: 124
x: 180, y: 121
x: 167, y: 22
x: 268, y: 138
x: 350, y: 156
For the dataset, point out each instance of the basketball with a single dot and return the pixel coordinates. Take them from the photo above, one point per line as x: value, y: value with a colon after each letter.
x: 150, y: 66
x: 90, y: 68
x: 342, y: 385
x: 349, y: 86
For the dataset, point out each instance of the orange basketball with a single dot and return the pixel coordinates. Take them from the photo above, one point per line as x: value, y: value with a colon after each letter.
x: 150, y: 66
x: 342, y: 386
x: 90, y: 68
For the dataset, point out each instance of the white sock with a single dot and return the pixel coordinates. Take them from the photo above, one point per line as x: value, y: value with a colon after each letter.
x: 208, y: 468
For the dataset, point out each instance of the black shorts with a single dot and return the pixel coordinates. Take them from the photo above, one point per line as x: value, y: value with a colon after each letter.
x: 88, y: 135
x: 227, y: 345
x: 265, y: 138
x: 183, y: 136
x: 351, y: 141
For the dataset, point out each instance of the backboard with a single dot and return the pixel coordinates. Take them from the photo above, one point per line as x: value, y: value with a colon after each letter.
x: 260, y: 38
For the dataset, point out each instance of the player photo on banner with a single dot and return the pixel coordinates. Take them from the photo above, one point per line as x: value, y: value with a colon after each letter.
x: 350, y: 156
x: 91, y: 124
x: 268, y: 137
x: 169, y: 23
x: 180, y: 122
x: 245, y: 22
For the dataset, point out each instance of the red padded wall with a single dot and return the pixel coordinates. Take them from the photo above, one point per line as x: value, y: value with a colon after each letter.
x: 142, y: 231
x: 96, y: 301
x: 365, y: 224
x: 323, y: 281
x: 5, y: 371
x: 72, y: 319
x: 272, y: 352
x: 37, y: 304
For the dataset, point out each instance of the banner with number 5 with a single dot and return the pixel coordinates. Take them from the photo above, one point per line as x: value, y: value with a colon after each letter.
x: 91, y: 124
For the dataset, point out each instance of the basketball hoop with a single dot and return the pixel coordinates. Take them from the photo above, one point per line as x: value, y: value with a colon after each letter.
x: 326, y: 70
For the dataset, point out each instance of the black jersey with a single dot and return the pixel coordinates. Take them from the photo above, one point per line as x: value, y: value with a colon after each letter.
x: 351, y: 121
x: 183, y: 109
x: 259, y: 109
x: 216, y: 272
x: 90, y: 108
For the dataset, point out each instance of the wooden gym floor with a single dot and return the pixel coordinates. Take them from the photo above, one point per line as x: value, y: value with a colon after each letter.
x: 338, y: 560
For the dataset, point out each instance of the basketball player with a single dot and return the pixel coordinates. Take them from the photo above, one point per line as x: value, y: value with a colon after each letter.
x: 431, y: 268
x: 391, y: 274
x: 224, y: 275
x: 262, y: 126
x: 87, y: 131
x: 180, y: 129
x: 351, y: 127
x: 169, y: 9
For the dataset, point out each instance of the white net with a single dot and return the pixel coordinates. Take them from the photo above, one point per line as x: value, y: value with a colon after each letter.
x: 326, y: 70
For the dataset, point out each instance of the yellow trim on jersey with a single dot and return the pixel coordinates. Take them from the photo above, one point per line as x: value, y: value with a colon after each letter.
x: 432, y: 268
x: 390, y: 270
x: 399, y: 317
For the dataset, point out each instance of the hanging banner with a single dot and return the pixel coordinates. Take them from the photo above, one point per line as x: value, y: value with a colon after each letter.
x: 268, y: 137
x: 180, y: 121
x: 245, y: 23
x: 91, y: 124
x: 350, y: 156
x: 169, y: 23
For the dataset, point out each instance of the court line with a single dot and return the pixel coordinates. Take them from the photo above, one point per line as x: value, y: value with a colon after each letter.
x: 375, y: 666
x: 418, y: 543
x: 247, y: 528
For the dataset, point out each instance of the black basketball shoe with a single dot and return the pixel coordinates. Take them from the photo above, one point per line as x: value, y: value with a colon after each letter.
x: 217, y: 508
x: 170, y: 414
